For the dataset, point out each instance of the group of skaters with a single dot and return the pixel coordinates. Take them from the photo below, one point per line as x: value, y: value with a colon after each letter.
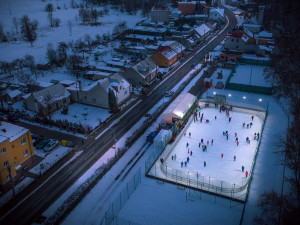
x: 248, y: 125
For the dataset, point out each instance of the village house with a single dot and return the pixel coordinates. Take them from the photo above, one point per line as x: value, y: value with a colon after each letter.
x: 234, y: 46
x: 160, y: 13
x: 203, y: 31
x: 96, y: 94
x: 142, y: 73
x: 48, y: 100
x: 187, y: 8
x: 176, y: 47
x: 165, y: 57
x: 217, y: 14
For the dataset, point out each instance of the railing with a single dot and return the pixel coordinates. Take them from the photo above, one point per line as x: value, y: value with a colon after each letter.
x: 115, y: 207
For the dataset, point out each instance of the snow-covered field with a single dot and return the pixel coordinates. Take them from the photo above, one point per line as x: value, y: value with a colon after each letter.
x: 250, y: 75
x: 35, y: 9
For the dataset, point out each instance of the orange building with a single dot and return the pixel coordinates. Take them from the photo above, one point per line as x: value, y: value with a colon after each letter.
x: 165, y: 57
x: 16, y: 150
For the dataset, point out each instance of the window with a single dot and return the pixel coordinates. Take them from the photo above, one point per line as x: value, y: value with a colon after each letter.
x: 3, y: 151
x: 237, y: 40
x: 13, y: 146
x: 25, y: 153
x: 6, y: 164
x: 23, y: 140
x: 93, y: 100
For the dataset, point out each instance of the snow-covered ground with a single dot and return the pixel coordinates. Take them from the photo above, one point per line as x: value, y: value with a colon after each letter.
x: 84, y: 114
x: 250, y: 75
x: 54, y: 156
x: 35, y: 9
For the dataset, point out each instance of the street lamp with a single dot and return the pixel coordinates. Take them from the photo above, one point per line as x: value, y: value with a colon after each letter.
x: 260, y: 100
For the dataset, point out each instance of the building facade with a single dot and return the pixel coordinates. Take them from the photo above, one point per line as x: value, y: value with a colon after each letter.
x: 160, y: 13
x: 16, y: 152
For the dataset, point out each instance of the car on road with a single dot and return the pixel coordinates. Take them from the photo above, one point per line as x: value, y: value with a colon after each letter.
x: 51, y: 145
x: 169, y: 93
x: 193, y: 65
x: 41, y: 144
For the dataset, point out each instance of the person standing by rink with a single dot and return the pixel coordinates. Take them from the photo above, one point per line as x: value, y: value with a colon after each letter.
x: 246, y: 173
x: 243, y: 168
x: 252, y: 117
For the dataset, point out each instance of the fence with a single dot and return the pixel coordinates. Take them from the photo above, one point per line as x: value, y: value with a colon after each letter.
x: 235, y: 191
x: 115, y: 207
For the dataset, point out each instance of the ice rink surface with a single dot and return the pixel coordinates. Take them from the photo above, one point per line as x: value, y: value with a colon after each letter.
x: 224, y: 169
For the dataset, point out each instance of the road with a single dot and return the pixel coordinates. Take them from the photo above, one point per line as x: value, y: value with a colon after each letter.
x: 33, y: 206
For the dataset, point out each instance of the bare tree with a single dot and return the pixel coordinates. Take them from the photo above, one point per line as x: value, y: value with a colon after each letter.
x: 70, y: 26
x: 16, y: 24
x: 28, y: 29
x: 51, y: 54
x: 88, y: 40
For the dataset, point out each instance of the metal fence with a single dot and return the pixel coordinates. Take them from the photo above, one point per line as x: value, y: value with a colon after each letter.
x: 115, y: 207
x: 208, y: 184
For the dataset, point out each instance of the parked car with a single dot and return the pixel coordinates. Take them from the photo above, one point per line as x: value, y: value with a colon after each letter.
x: 169, y: 93
x: 67, y: 143
x: 51, y: 145
x: 42, y: 143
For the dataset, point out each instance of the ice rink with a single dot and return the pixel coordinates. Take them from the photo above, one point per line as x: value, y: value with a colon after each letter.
x: 217, y: 168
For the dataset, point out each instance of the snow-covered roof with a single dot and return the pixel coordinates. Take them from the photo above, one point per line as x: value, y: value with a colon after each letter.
x: 168, y: 52
x: 179, y: 107
x: 145, y: 65
x: 265, y: 34
x: 248, y: 32
x: 202, y: 29
x: 120, y: 79
x: 11, y: 131
x: 45, y: 84
x: 67, y: 82
x: 110, y: 69
x: 251, y: 25
x: 218, y: 10
x: 174, y: 45
x: 51, y: 94
x: 184, y: 2
x: 14, y: 93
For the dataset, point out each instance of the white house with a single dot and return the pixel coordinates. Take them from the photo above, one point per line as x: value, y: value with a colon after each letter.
x: 217, y: 14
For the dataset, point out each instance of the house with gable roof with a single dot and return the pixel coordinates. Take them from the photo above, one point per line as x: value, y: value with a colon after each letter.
x: 48, y: 99
x: 234, y: 46
x: 217, y: 14
x: 96, y: 94
x: 203, y: 31
x: 165, y: 57
x: 176, y: 47
x: 142, y: 73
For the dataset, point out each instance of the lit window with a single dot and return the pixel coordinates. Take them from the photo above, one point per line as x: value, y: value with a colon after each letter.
x: 25, y: 153
x: 3, y: 151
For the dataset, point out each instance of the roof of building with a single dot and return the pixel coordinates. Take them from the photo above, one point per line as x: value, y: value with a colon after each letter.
x: 178, y: 107
x: 167, y: 52
x: 160, y: 8
x: 145, y: 67
x: 51, y: 94
x: 11, y: 131
x: 265, y: 34
x: 189, y: 3
x: 218, y: 10
x: 174, y: 45
x: 202, y: 29
x: 14, y: 93
x: 110, y: 69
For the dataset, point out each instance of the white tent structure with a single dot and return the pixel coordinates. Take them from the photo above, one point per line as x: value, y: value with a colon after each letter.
x: 178, y: 108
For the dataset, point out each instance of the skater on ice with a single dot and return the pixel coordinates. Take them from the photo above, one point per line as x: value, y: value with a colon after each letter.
x: 187, y: 144
x: 185, y: 163
x: 243, y: 168
x: 202, y: 140
x: 172, y: 157
x: 236, y: 139
x: 247, y: 125
x: 191, y: 152
x: 188, y: 159
x: 204, y: 163
x: 226, y: 136
x: 190, y: 134
x: 229, y: 119
x: 215, y: 117
x: 212, y: 141
x: 246, y: 173
x: 206, y: 121
x: 175, y: 156
x: 222, y: 156
x: 234, y: 158
x: 244, y: 124
x: 235, y: 134
x: 251, y: 124
x: 252, y: 117
x: 181, y: 163
x: 237, y: 143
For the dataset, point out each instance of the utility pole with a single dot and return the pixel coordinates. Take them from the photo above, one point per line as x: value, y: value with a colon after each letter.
x: 11, y: 180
